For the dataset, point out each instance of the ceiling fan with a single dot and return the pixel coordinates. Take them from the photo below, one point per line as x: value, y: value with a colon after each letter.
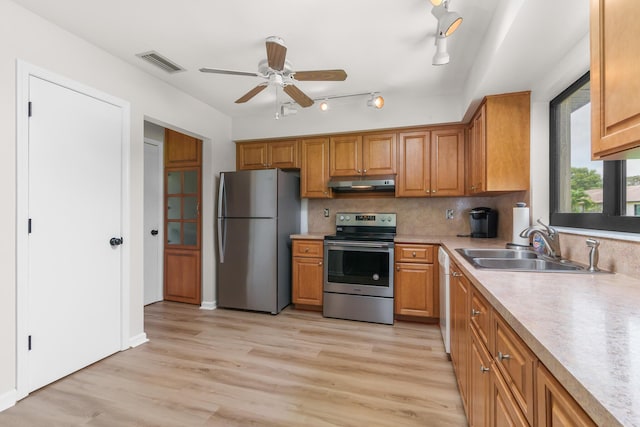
x: 277, y: 71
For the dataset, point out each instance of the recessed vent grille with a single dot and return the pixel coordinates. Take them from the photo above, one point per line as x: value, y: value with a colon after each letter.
x: 160, y: 61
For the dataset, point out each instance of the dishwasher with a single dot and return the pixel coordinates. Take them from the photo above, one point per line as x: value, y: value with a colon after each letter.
x: 445, y: 308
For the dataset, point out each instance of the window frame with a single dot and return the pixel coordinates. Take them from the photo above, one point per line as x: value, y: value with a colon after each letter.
x: 613, y: 183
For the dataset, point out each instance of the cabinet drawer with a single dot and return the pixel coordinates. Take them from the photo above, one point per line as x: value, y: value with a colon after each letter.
x: 414, y: 253
x: 517, y: 363
x: 481, y: 317
x: 308, y: 248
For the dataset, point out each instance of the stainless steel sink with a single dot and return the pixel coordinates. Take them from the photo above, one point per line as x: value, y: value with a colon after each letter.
x: 497, y: 253
x: 524, y: 264
x: 517, y: 260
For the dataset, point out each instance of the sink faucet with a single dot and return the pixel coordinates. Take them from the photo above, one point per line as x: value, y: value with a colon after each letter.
x: 549, y: 236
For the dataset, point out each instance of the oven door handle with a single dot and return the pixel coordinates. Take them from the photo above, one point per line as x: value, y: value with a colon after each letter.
x: 359, y: 244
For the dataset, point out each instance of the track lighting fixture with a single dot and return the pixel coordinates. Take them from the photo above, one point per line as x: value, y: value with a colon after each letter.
x: 375, y: 101
x: 287, y: 110
x: 448, y: 22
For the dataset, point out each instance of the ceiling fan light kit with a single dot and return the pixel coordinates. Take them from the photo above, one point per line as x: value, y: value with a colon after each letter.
x: 277, y: 71
x: 324, y: 105
x: 448, y: 23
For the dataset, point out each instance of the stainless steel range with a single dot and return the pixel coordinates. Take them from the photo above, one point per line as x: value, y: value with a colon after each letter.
x: 358, y: 267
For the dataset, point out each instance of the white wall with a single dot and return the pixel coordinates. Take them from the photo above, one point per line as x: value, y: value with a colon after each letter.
x: 27, y: 37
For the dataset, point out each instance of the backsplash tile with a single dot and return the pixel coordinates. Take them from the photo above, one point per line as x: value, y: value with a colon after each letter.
x: 619, y: 256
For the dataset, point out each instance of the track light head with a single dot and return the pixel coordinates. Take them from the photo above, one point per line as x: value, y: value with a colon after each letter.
x: 375, y: 101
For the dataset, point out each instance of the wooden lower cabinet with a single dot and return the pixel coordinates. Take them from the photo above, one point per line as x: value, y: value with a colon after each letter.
x: 479, y: 382
x: 504, y: 410
x: 556, y: 408
x: 501, y: 381
x: 307, y: 273
x: 182, y: 275
x: 415, y: 281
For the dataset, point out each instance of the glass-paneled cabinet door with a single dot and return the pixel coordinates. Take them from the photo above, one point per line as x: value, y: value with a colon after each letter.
x: 182, y: 208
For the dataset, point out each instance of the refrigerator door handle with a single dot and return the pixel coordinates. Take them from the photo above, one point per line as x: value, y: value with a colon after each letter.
x: 221, y: 240
x: 220, y: 218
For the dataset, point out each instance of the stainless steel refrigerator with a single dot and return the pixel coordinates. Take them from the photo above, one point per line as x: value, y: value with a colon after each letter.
x: 257, y: 212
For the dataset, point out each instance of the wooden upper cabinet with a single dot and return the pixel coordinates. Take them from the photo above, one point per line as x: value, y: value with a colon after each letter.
x: 314, y: 171
x: 370, y: 154
x: 447, y: 162
x: 431, y: 163
x: 414, y: 160
x: 181, y: 150
x: 615, y: 60
x: 346, y: 155
x: 266, y: 155
x: 499, y: 144
x: 379, y: 154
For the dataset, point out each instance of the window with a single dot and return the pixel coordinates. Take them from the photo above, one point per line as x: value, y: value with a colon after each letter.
x: 602, y: 195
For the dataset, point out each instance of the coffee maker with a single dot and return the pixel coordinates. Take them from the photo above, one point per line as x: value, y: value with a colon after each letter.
x: 483, y: 222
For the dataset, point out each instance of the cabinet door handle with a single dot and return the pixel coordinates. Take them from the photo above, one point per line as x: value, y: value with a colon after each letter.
x: 413, y: 254
x: 306, y: 250
x: 397, y: 268
x: 364, y: 171
x: 484, y: 370
x: 475, y: 312
x: 433, y: 191
x: 502, y: 356
x: 456, y: 274
x: 359, y: 170
x: 320, y: 263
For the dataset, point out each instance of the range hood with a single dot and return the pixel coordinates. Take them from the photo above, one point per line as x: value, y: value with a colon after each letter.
x: 363, y: 183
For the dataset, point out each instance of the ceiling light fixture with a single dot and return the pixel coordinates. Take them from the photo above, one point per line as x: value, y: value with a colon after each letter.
x: 448, y: 23
x: 324, y: 105
x: 287, y: 110
x: 375, y: 101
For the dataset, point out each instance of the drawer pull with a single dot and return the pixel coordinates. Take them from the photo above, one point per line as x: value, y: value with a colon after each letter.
x: 306, y: 249
x: 484, y: 370
x: 413, y: 254
x: 456, y: 274
x: 502, y: 356
x: 475, y: 312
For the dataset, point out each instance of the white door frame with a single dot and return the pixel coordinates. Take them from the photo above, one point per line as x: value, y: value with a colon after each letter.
x: 23, y: 72
x: 160, y: 145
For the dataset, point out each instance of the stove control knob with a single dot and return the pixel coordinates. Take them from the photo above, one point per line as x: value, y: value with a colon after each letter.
x: 389, y: 218
x: 341, y: 217
x: 348, y: 218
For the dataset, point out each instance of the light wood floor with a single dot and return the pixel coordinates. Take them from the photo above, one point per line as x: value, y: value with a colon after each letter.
x: 234, y: 368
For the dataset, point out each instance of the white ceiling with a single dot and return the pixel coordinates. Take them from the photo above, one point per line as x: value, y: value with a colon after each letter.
x: 385, y: 46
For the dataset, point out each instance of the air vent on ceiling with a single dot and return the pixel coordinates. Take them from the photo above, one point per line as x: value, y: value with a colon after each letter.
x: 160, y: 61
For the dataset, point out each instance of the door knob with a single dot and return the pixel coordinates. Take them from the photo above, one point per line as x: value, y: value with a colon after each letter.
x: 154, y: 232
x: 116, y: 241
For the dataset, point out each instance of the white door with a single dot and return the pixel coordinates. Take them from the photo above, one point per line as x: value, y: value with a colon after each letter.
x: 152, y: 223
x: 75, y: 208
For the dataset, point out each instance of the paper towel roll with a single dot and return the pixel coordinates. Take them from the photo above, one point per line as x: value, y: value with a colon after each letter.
x: 520, y: 222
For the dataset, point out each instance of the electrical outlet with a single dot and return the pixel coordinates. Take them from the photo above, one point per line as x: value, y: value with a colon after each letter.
x: 449, y: 214
x: 326, y: 213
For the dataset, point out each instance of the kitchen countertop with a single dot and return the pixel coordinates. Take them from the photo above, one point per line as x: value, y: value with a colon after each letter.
x: 585, y: 328
x: 308, y: 236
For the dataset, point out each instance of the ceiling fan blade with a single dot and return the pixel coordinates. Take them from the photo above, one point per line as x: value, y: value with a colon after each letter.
x: 276, y: 53
x: 320, y: 75
x: 298, y: 96
x: 253, y: 92
x: 233, y: 73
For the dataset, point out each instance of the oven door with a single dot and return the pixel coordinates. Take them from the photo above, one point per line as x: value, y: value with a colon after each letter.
x: 359, y: 268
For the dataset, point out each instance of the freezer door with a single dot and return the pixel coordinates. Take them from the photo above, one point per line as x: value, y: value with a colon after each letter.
x: 248, y: 194
x: 247, y: 271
